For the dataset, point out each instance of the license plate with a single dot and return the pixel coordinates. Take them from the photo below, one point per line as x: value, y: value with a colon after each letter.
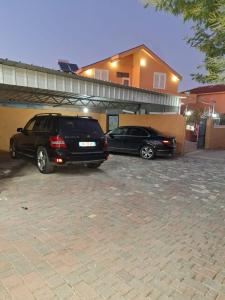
x: 87, y: 144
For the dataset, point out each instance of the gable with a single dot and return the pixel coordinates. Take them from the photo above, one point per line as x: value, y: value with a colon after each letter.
x: 127, y: 53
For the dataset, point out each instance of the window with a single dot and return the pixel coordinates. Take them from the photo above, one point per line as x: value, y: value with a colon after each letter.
x: 137, y: 132
x: 159, y: 81
x: 113, y: 122
x: 41, y: 124
x: 120, y: 131
x: 122, y: 75
x: 101, y: 74
x: 30, y: 125
x: 80, y: 127
x: 152, y: 131
x: 126, y: 81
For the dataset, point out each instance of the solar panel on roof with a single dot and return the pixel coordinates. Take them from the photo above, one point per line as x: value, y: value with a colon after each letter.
x: 73, y: 67
x: 67, y: 67
x: 64, y: 67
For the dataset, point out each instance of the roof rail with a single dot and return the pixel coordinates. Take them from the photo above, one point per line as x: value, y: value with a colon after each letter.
x: 48, y: 114
x: 85, y: 117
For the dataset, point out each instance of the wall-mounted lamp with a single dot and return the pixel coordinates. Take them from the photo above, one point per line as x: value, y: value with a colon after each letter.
x: 88, y: 72
x: 143, y: 62
x: 85, y: 110
x: 188, y: 113
x: 175, y: 78
x: 215, y: 116
x: 128, y: 111
x: 114, y: 63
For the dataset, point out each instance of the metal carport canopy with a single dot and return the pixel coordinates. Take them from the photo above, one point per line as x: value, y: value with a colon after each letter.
x: 32, y: 84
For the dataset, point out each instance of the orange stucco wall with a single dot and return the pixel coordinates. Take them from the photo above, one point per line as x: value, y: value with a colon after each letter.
x: 170, y: 125
x: 140, y: 76
x: 136, y: 70
x: 12, y: 118
x: 124, y: 65
x: 147, y: 74
x: 219, y: 98
x: 215, y: 137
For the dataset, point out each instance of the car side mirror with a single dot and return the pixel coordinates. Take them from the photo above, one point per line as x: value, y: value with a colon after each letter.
x: 19, y: 130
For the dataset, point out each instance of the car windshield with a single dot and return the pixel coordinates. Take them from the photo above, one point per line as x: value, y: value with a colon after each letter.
x: 70, y: 126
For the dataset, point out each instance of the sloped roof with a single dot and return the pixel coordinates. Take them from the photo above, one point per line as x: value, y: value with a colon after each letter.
x: 208, y: 89
x: 129, y: 52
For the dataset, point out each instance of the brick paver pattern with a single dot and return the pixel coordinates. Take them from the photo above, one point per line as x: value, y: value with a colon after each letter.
x: 133, y: 229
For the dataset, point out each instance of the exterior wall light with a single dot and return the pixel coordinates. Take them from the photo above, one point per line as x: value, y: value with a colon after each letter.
x: 215, y: 116
x: 175, y: 78
x: 88, y: 72
x: 85, y: 110
x: 143, y: 62
x: 114, y: 64
x: 188, y: 113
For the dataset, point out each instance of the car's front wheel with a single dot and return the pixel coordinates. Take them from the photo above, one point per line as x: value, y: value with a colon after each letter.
x: 43, y: 163
x: 12, y: 150
x: 147, y: 152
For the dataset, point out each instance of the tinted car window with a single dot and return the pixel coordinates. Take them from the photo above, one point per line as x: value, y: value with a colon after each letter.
x: 71, y: 126
x: 119, y: 131
x: 41, y: 124
x: 152, y: 131
x: 137, y: 132
x: 30, y: 125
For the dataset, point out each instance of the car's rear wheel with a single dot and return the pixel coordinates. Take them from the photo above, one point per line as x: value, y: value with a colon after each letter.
x: 43, y: 163
x: 93, y: 165
x: 12, y: 151
x: 147, y: 152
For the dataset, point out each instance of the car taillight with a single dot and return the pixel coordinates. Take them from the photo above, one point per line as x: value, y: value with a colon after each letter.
x: 57, y: 142
x: 105, y: 147
x: 166, y: 142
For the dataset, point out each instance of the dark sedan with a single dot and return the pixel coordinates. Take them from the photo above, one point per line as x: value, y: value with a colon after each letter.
x: 144, y: 141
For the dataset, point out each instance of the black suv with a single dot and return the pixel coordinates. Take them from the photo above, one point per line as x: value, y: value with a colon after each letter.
x: 54, y: 140
x: 144, y: 141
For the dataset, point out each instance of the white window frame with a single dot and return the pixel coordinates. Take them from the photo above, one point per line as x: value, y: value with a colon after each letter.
x: 125, y: 78
x: 101, y: 71
x: 161, y: 81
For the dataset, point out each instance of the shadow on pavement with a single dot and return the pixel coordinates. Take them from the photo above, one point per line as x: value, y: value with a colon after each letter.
x: 161, y: 157
x: 9, y: 167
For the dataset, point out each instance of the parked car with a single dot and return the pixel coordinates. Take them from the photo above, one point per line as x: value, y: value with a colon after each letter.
x: 55, y: 140
x: 144, y: 141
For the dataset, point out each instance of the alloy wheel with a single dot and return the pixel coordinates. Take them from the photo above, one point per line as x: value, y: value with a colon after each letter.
x: 12, y: 150
x: 41, y: 160
x: 147, y: 152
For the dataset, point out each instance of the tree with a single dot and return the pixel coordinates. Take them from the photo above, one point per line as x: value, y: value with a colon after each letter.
x: 208, y: 17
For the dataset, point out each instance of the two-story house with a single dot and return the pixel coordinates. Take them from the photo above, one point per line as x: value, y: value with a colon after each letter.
x: 138, y: 67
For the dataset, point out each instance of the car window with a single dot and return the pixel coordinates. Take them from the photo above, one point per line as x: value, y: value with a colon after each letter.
x: 152, y: 131
x: 119, y: 131
x: 41, y: 124
x: 137, y: 132
x: 50, y: 124
x: 30, y: 125
x: 73, y: 125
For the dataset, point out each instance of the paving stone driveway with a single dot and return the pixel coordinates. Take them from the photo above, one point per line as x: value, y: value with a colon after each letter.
x: 133, y: 229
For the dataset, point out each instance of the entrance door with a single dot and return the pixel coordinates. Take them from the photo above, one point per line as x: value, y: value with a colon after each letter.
x: 112, y: 122
x: 201, y: 134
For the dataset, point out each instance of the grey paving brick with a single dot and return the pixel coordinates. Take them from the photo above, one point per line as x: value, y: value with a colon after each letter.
x: 133, y: 229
